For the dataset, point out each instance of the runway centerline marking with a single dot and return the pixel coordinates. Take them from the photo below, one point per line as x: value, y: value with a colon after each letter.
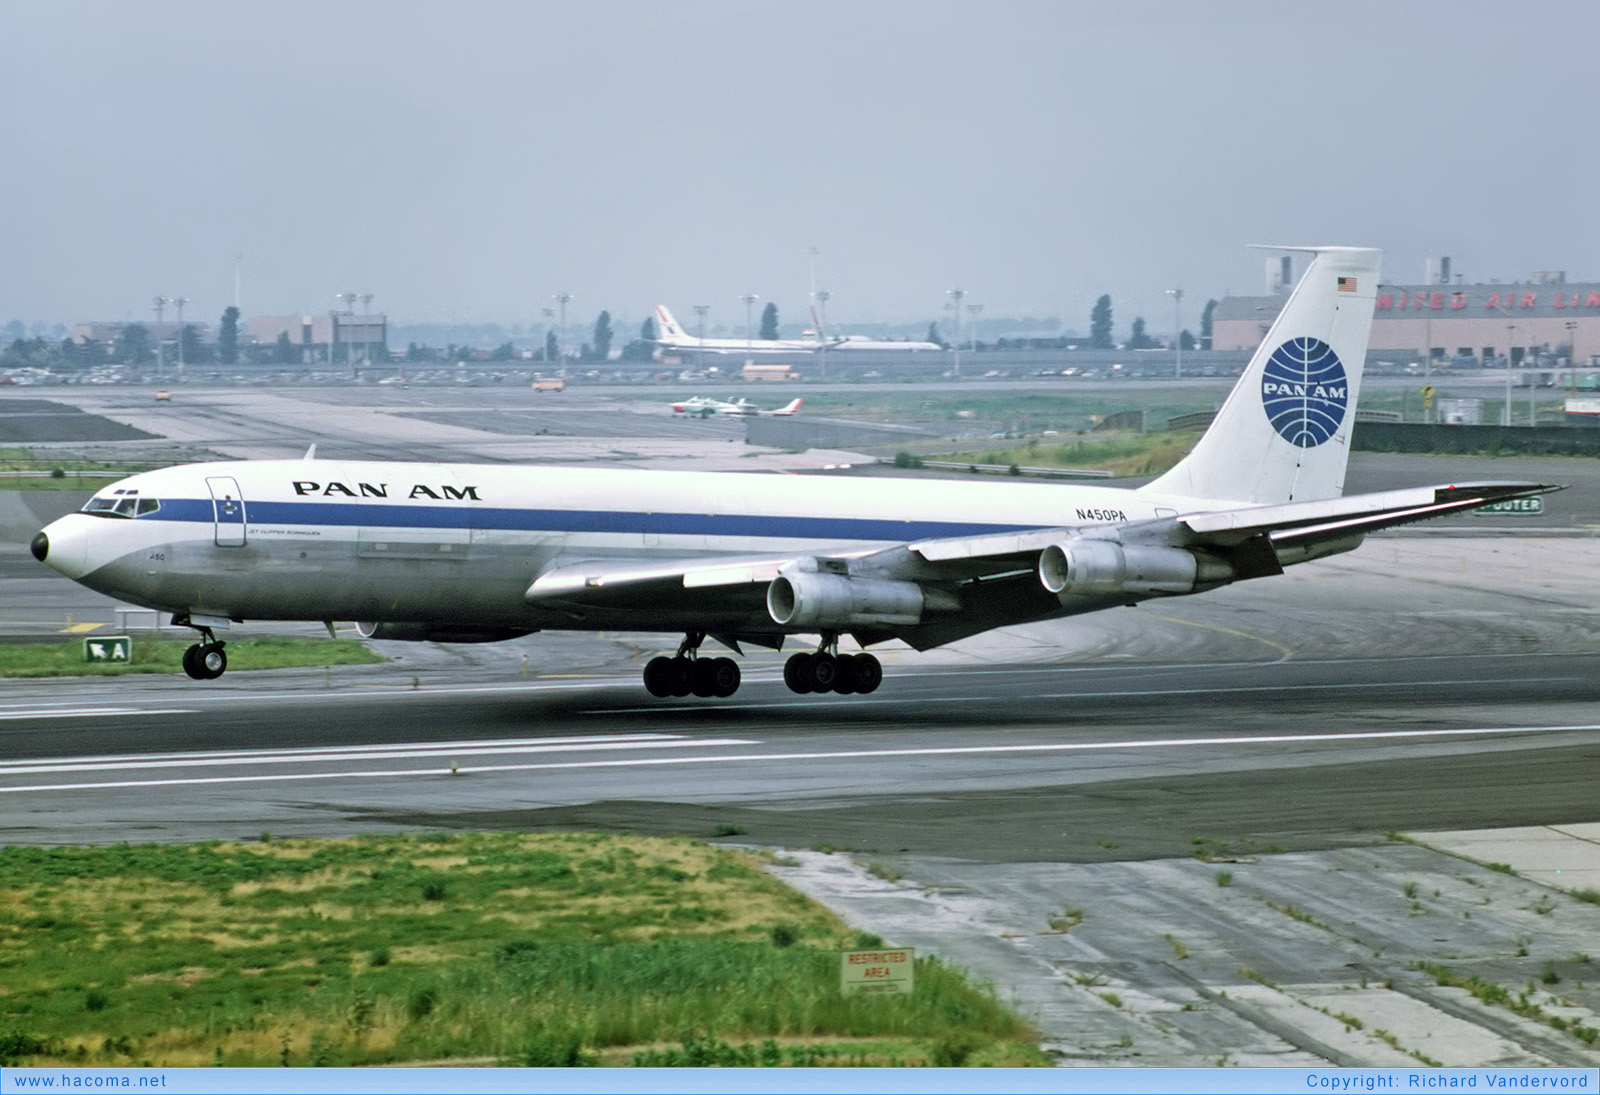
x: 859, y: 754
x: 92, y: 712
x: 351, y: 750
x: 358, y: 753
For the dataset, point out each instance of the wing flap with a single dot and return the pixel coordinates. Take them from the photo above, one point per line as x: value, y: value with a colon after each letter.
x: 572, y: 582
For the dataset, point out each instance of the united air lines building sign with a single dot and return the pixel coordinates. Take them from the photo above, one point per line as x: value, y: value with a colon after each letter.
x: 1456, y: 322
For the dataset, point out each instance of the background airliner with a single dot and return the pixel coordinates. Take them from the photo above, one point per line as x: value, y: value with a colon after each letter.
x: 478, y: 553
x: 670, y: 336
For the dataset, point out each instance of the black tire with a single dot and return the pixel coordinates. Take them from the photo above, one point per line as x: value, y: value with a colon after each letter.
x: 866, y: 673
x: 824, y: 672
x: 703, y: 677
x: 212, y: 661
x: 191, y: 663
x: 658, y: 677
x: 726, y: 675
x: 844, y: 681
x: 797, y: 674
x: 680, y: 676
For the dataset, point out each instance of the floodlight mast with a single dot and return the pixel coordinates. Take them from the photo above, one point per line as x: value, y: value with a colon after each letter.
x: 956, y: 295
x: 180, y: 302
x: 159, y: 307
x: 749, y: 323
x: 700, y: 310
x: 563, y: 299
x: 1177, y: 332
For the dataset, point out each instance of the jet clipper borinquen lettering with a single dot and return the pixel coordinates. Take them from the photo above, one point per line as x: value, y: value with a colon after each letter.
x: 479, y: 553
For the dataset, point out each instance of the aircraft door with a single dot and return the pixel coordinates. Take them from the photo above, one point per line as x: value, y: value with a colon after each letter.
x: 228, y: 505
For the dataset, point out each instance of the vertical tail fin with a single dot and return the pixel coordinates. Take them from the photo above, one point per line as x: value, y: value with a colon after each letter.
x: 1284, y: 433
x: 668, y: 332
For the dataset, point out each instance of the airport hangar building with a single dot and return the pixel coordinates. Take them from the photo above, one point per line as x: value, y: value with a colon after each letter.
x: 1541, y: 321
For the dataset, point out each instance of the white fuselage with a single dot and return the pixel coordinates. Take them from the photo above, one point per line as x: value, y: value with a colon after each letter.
x: 461, y: 544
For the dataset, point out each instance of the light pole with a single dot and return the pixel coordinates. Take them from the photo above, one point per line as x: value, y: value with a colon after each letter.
x: 160, y: 304
x: 561, y: 330
x: 973, y: 312
x: 1572, y: 358
x: 700, y: 311
x: 1511, y: 334
x: 956, y: 295
x: 749, y: 327
x: 1177, y: 333
x: 180, y: 302
x: 821, y: 296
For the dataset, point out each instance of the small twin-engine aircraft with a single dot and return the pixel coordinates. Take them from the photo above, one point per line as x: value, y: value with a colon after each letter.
x: 705, y: 407
x: 479, y: 553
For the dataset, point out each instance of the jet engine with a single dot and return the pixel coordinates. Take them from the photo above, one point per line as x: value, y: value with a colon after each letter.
x: 423, y: 632
x: 1104, y: 566
x: 835, y: 602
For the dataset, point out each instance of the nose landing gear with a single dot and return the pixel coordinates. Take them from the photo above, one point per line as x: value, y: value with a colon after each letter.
x: 829, y: 671
x: 689, y: 673
x: 208, y: 660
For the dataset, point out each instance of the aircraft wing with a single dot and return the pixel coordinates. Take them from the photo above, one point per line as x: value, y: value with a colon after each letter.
x: 603, y: 580
x: 1289, y: 524
x: 1308, y: 522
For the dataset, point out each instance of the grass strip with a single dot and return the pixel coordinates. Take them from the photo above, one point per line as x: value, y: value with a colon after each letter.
x: 552, y: 948
x: 65, y: 659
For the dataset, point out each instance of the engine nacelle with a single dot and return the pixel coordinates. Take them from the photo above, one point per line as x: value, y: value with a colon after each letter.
x: 1104, y: 566
x: 439, y: 633
x: 834, y: 602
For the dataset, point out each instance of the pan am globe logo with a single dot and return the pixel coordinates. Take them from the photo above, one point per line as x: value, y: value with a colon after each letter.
x: 1305, y: 391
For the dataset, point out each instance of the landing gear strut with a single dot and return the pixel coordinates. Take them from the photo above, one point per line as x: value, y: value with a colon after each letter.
x: 830, y: 671
x: 208, y: 660
x: 689, y: 673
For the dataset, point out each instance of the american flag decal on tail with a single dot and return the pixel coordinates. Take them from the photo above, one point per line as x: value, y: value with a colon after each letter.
x: 1347, y: 285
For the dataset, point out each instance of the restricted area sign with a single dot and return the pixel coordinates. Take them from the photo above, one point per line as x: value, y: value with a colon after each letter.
x: 1514, y: 505
x: 887, y: 969
x: 108, y: 648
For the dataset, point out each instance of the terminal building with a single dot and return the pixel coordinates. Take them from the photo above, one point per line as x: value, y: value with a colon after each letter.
x: 1545, y: 321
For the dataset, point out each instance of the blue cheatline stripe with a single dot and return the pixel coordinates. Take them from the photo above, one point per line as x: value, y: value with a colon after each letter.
x: 566, y: 520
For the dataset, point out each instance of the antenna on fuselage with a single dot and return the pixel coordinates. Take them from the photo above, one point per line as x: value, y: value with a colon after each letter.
x: 311, y: 453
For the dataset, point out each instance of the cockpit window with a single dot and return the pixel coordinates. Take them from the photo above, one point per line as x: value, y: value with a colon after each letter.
x: 102, y: 507
x: 121, y: 505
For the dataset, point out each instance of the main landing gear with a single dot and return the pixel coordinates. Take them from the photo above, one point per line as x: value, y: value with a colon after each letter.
x: 208, y: 660
x: 688, y: 673
x: 830, y: 671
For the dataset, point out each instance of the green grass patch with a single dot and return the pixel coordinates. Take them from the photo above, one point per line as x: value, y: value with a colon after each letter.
x: 486, y: 947
x: 60, y: 474
x: 65, y: 659
x: 1125, y: 455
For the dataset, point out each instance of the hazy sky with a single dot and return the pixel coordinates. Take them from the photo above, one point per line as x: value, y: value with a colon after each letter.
x: 464, y: 161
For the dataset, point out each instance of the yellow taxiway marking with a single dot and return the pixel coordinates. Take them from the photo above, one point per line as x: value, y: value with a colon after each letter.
x: 74, y: 629
x: 1275, y: 644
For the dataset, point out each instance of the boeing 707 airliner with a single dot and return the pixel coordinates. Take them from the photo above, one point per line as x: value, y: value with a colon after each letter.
x: 479, y: 553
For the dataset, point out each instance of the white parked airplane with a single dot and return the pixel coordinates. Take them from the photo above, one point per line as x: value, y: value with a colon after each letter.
x: 705, y: 407
x: 670, y: 336
x: 850, y: 343
x: 478, y: 553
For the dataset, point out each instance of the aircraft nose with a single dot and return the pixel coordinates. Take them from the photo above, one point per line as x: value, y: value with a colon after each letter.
x: 64, y: 544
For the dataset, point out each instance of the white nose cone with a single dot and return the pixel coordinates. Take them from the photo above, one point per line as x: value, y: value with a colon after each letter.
x: 65, y: 544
